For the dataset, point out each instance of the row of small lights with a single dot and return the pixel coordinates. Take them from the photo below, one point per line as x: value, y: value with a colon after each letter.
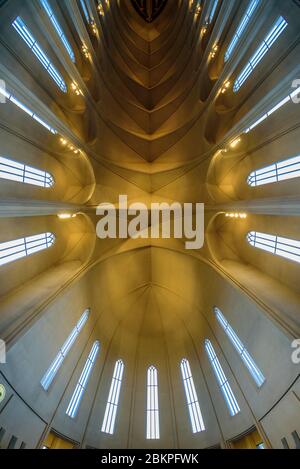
x: 236, y: 215
x: 69, y: 145
x: 66, y: 216
x: 75, y: 88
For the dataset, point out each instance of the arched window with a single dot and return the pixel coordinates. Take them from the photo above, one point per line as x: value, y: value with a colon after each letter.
x: 12, y: 250
x: 109, y: 420
x: 63, y: 352
x: 241, y: 28
x: 240, y: 348
x: 152, y: 430
x: 265, y: 46
x: 284, y: 247
x: 20, y: 172
x: 24, y: 108
x: 191, y: 397
x: 276, y: 172
x: 222, y: 380
x: 83, y: 381
x: 28, y: 38
x: 58, y: 29
x: 275, y: 108
x: 213, y: 11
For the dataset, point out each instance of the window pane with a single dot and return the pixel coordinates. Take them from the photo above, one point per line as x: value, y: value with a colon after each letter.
x: 113, y: 399
x: 222, y: 380
x: 24, y: 108
x: 16, y: 249
x: 267, y: 43
x: 19, y: 172
x: 242, y: 26
x: 58, y: 29
x: 152, y: 405
x: 83, y: 381
x: 280, y: 171
x: 27, y: 37
x: 240, y: 348
x: 191, y: 397
x: 284, y: 247
x: 58, y: 360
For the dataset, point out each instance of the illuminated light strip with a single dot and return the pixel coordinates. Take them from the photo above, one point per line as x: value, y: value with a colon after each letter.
x: 241, y: 349
x: 24, y: 108
x: 58, y: 360
x: 17, y: 249
x: 283, y: 247
x: 191, y: 397
x: 242, y: 26
x: 83, y: 381
x: 265, y: 46
x: 33, y: 45
x: 58, y: 29
x: 152, y: 405
x: 222, y: 380
x: 109, y: 420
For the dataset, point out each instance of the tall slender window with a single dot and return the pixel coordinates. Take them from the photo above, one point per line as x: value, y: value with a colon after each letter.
x: 109, y: 420
x: 63, y: 352
x: 152, y: 432
x: 213, y: 11
x: 20, y: 172
x: 83, y: 381
x: 276, y: 172
x: 284, y: 247
x: 24, y: 108
x: 265, y: 46
x: 222, y: 380
x: 85, y: 11
x: 191, y: 397
x: 12, y: 250
x: 28, y: 38
x: 241, y: 28
x: 58, y: 29
x: 241, y: 349
x: 275, y: 108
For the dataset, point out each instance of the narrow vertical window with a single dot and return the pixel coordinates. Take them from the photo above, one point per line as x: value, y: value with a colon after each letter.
x: 109, y: 420
x: 20, y: 172
x: 24, y: 108
x: 85, y: 11
x: 191, y: 397
x: 213, y: 11
x: 58, y: 29
x: 265, y: 46
x: 241, y: 349
x: 74, y: 403
x: 222, y: 380
x: 152, y: 432
x: 276, y: 172
x: 275, y: 108
x: 12, y: 250
x: 241, y: 28
x: 28, y: 38
x: 284, y: 247
x: 63, y: 352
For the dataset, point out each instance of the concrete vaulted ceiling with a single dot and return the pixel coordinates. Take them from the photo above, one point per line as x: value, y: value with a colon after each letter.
x: 149, y: 111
